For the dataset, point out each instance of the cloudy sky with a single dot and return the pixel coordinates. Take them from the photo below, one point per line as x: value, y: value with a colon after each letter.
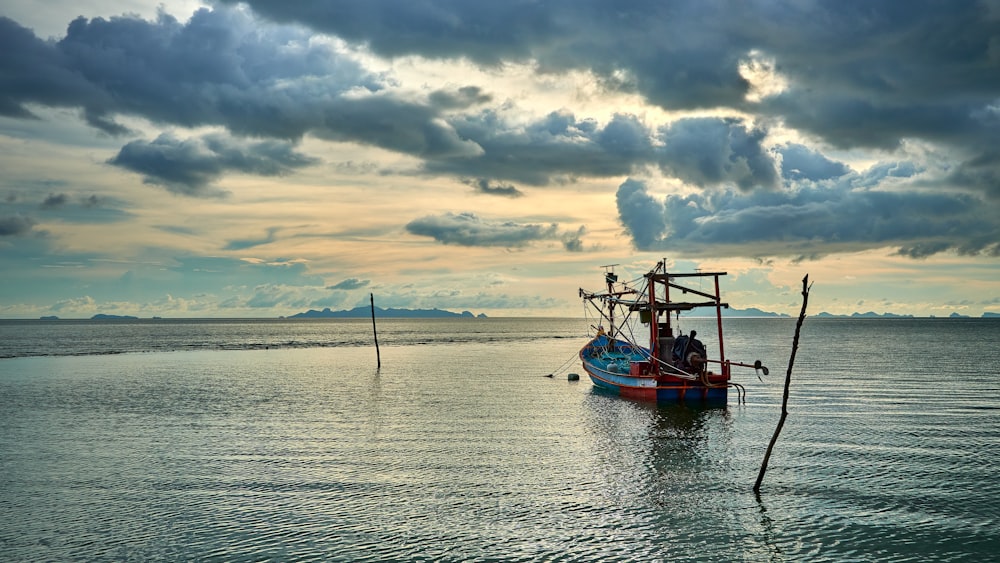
x: 261, y: 158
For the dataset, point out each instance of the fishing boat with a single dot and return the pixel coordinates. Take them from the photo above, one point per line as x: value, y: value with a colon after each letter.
x: 635, y: 352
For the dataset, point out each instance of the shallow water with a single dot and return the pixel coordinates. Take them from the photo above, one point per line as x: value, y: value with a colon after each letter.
x: 460, y: 449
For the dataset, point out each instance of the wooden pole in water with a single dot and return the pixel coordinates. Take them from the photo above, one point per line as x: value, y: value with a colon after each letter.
x: 378, y: 356
x: 788, y: 380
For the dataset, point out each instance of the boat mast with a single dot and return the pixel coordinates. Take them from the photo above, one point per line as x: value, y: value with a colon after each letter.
x: 718, y: 320
x: 654, y: 314
x: 610, y: 278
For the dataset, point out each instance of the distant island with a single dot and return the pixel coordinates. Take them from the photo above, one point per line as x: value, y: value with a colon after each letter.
x: 874, y: 315
x: 365, y: 312
x: 868, y: 315
x: 97, y: 317
x: 751, y: 312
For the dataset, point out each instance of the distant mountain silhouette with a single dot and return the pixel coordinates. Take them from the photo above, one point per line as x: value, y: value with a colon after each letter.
x: 751, y: 312
x: 731, y: 313
x: 103, y: 317
x: 365, y: 311
x: 868, y: 315
x: 873, y: 315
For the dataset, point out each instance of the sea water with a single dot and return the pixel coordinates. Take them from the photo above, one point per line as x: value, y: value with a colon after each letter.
x: 282, y: 441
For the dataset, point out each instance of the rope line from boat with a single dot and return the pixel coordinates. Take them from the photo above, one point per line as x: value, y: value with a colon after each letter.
x: 741, y: 392
x: 565, y: 365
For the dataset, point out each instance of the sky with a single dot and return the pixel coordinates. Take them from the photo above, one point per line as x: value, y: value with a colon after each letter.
x: 263, y: 158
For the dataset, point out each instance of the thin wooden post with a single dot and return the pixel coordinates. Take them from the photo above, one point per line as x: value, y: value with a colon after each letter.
x: 788, y: 380
x: 378, y: 356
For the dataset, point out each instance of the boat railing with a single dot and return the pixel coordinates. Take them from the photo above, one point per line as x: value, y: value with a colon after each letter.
x: 605, y: 346
x: 671, y: 369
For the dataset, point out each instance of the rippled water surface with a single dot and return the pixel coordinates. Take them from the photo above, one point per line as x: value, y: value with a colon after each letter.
x: 281, y: 441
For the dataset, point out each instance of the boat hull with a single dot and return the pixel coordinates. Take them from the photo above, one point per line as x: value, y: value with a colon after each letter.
x: 639, y: 389
x: 624, y: 371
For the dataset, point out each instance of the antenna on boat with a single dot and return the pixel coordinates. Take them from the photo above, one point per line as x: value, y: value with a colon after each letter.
x: 609, y: 274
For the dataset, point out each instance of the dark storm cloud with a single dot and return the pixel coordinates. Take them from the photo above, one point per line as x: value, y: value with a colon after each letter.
x: 847, y: 74
x: 34, y: 71
x: 710, y: 151
x: 484, y: 186
x: 386, y: 121
x: 558, y: 147
x: 981, y: 172
x: 222, y: 68
x: 706, y: 152
x: 799, y: 162
x: 640, y: 213
x: 25, y: 211
x: 162, y: 70
x: 870, y: 73
x: 468, y: 229
x: 188, y: 166
x: 859, y: 74
x: 487, y: 33
x: 225, y: 68
x: 681, y: 54
x: 15, y: 225
x: 688, y: 53
x: 811, y: 220
x: 464, y: 97
x: 573, y: 241
x: 54, y: 200
x: 555, y: 146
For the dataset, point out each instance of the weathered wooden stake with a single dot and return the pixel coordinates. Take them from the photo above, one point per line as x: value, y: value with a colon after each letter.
x: 378, y: 356
x: 788, y: 380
